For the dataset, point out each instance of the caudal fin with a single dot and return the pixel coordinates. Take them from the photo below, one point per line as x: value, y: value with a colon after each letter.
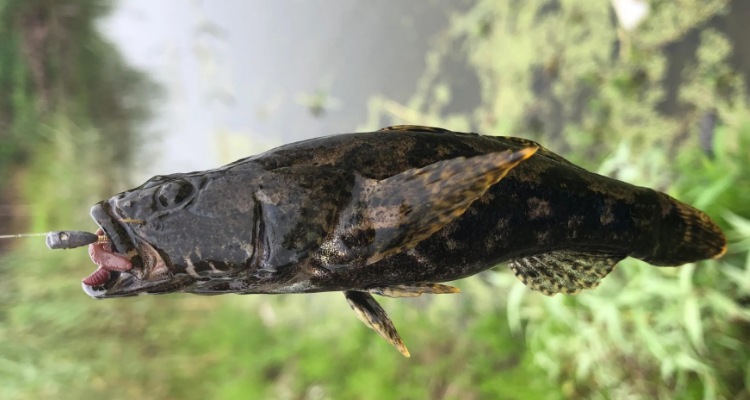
x: 686, y: 235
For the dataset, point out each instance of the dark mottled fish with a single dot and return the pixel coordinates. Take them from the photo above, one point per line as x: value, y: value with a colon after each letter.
x: 393, y: 213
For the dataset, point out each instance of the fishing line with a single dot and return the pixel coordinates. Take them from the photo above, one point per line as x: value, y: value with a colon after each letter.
x: 21, y: 235
x: 71, y: 239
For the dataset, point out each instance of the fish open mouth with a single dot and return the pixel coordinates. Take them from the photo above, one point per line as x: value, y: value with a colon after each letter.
x: 126, y: 266
x: 107, y: 260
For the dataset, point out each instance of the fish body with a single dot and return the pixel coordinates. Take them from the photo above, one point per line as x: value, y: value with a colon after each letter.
x: 394, y: 212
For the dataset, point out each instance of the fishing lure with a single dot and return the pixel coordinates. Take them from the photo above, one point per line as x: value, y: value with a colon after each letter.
x: 73, y: 239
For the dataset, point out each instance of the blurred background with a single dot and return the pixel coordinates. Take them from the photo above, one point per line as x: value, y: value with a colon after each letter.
x: 96, y: 96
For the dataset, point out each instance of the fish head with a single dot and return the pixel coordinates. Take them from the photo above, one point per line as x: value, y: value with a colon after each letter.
x: 176, y: 231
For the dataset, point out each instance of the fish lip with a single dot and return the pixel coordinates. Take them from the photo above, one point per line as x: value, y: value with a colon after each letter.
x: 123, y: 240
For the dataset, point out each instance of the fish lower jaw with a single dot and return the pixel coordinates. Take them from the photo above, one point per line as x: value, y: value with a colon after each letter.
x: 99, y: 291
x: 125, y: 284
x: 94, y: 292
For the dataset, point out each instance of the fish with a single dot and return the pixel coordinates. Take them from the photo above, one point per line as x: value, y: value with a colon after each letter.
x: 397, y: 213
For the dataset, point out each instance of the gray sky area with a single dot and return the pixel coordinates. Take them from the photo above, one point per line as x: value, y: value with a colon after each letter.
x: 239, y: 74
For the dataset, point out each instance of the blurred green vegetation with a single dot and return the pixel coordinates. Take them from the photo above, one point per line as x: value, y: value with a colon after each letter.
x: 558, y: 72
x: 54, y: 64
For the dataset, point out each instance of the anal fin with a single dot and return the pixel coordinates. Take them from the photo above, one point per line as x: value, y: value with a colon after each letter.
x: 374, y: 316
x: 413, y: 290
x: 562, y: 271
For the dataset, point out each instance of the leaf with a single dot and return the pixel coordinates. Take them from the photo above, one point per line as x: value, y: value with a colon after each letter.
x: 685, y: 361
x: 711, y: 193
x: 686, y: 278
x: 739, y: 277
x: 727, y: 306
x: 585, y: 362
x: 667, y: 369
x: 738, y: 223
x: 649, y: 336
x: 515, y: 297
x: 693, y: 323
x: 709, y: 387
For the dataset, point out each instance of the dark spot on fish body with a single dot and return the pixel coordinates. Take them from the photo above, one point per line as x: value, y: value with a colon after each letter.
x: 621, y: 217
x: 532, y: 273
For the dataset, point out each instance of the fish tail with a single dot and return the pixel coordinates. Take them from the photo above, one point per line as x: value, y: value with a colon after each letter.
x: 686, y: 235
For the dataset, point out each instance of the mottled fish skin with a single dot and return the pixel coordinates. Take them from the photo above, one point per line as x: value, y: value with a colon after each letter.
x: 268, y: 223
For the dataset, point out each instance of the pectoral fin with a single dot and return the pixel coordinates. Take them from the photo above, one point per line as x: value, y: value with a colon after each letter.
x: 413, y: 290
x: 407, y: 208
x: 564, y: 271
x: 372, y: 314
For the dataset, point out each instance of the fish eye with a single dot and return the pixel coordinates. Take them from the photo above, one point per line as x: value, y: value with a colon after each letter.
x: 173, y: 193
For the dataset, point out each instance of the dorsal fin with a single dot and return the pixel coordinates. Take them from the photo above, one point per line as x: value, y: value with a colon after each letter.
x: 566, y: 272
x: 543, y: 151
x: 413, y: 128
